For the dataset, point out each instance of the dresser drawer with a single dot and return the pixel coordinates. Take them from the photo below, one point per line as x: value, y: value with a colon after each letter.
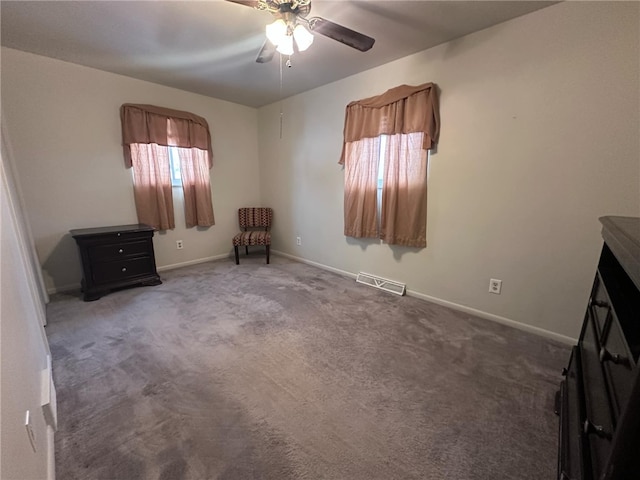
x: 600, y: 305
x: 99, y: 253
x: 122, y: 270
x: 618, y: 366
x: 598, y: 424
x: 571, y: 455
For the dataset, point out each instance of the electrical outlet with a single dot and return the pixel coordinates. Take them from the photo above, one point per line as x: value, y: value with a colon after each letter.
x: 495, y: 286
x: 179, y: 244
x: 298, y: 240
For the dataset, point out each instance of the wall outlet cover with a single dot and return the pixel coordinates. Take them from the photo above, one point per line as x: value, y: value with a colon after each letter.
x: 495, y: 286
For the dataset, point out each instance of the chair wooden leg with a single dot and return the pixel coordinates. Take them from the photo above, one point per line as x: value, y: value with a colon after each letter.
x: 267, y: 254
x: 246, y: 249
x: 237, y: 258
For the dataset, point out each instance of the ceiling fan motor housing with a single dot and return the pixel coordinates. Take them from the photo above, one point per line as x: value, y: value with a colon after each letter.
x: 289, y: 16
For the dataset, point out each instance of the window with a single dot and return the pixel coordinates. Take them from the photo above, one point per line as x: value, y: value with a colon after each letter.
x: 174, y: 164
x: 168, y: 148
x: 152, y: 185
x: 174, y: 167
x: 386, y: 140
x: 381, y: 155
x: 385, y: 189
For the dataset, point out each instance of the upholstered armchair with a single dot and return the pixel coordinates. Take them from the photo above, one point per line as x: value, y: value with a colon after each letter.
x: 255, y: 224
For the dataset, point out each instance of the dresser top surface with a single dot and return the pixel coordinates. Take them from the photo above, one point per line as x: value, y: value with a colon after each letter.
x: 622, y: 236
x: 88, y: 232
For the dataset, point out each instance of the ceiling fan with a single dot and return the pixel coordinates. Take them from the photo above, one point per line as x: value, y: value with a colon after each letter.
x: 291, y: 26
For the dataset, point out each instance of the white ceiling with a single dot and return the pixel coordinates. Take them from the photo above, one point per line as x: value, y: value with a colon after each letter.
x: 210, y: 47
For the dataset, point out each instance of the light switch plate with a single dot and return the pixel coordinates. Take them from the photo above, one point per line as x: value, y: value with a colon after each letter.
x: 30, y: 432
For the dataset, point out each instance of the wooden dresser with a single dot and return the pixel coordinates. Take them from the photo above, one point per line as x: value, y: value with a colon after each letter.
x: 116, y: 257
x: 599, y: 399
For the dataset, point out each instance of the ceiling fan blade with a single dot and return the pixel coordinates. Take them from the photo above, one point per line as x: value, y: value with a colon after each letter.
x: 268, y: 50
x: 345, y: 35
x: 266, y: 53
x: 249, y: 3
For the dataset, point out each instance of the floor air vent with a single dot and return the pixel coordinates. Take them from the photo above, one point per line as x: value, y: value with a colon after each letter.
x: 381, y: 283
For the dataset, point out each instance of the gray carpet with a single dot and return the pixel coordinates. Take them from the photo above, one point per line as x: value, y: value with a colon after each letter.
x: 286, y: 371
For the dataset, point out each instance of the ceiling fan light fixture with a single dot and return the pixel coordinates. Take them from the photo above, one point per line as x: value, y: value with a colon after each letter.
x: 303, y: 37
x: 285, y: 47
x: 293, y: 30
x: 277, y: 32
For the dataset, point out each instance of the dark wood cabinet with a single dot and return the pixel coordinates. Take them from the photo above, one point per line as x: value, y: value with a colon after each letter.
x: 115, y: 257
x: 599, y: 398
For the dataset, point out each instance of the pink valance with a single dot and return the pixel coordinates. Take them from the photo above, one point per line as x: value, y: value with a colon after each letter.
x: 163, y: 126
x: 403, y: 109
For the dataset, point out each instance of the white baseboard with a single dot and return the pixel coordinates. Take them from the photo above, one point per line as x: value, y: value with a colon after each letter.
x: 51, y: 454
x: 164, y: 268
x: 63, y: 288
x: 495, y: 318
x: 315, y: 264
x: 455, y: 306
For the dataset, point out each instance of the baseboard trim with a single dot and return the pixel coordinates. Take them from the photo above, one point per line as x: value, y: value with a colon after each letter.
x: 173, y: 266
x: 455, y: 306
x: 315, y: 264
x: 495, y: 318
x: 63, y: 288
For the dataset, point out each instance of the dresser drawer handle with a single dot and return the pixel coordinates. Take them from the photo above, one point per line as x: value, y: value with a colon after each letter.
x: 589, y: 427
x: 120, y: 251
x: 598, y: 303
x: 607, y: 356
x: 124, y: 269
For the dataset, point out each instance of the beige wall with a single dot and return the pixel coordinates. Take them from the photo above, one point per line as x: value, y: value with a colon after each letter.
x: 24, y: 372
x: 540, y: 125
x: 64, y: 125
